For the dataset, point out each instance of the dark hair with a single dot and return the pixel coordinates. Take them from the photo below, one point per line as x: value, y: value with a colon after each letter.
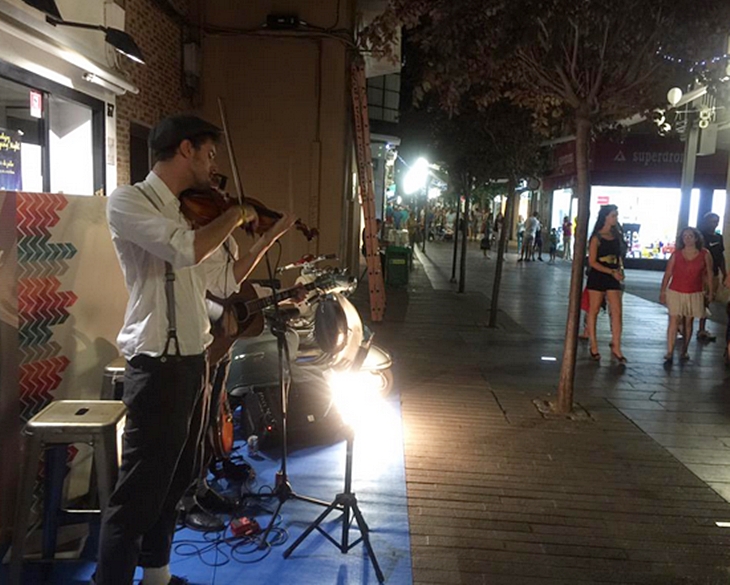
x: 699, y: 240
x: 603, y: 213
x: 197, y: 141
x: 706, y: 219
x: 616, y: 230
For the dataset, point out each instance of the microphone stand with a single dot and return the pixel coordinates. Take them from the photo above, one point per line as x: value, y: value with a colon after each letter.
x: 282, y: 487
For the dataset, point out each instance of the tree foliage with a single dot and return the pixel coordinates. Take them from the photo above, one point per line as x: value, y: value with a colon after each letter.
x: 606, y: 60
x: 573, y: 64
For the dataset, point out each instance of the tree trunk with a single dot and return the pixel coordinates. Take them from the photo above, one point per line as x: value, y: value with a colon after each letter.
x: 501, y: 248
x: 583, y: 190
x: 464, y: 237
x: 456, y: 238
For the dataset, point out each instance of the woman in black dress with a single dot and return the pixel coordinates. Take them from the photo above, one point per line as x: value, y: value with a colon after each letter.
x: 605, y: 259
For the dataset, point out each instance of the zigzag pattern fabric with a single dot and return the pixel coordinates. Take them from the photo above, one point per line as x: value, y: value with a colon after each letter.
x: 41, y: 303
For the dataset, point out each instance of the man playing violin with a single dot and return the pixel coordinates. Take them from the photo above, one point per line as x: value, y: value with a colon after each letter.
x: 168, y: 266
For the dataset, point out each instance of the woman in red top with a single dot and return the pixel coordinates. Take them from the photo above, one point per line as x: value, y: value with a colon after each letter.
x: 687, y: 277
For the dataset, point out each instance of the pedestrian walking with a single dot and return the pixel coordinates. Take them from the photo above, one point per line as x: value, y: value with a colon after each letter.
x: 605, y: 260
x: 538, y: 242
x: 520, y: 234
x: 528, y: 241
x: 686, y: 288
x: 714, y: 245
x: 554, y: 238
x: 486, y: 243
x: 567, y: 239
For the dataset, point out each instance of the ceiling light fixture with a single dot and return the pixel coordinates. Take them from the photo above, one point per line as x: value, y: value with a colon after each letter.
x: 118, y: 39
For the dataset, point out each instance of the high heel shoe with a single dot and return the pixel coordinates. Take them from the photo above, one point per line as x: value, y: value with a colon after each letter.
x: 619, y: 358
x: 668, y: 359
x: 595, y: 356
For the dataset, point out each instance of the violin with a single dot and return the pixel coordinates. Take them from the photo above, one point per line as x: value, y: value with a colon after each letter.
x: 203, y: 206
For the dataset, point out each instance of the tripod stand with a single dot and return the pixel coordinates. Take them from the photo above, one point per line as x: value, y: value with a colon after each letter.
x: 347, y: 503
x: 282, y: 488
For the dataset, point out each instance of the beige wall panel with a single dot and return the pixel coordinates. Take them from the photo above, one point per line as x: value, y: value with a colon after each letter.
x: 286, y: 105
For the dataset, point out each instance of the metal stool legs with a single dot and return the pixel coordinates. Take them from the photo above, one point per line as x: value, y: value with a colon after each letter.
x: 25, y: 500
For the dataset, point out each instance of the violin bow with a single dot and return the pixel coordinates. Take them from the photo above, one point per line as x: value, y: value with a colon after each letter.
x: 229, y: 147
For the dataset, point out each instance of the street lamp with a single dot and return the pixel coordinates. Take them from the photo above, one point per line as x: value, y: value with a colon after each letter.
x: 416, y: 180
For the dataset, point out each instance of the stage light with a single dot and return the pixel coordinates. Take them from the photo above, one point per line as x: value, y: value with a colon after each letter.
x: 357, y: 397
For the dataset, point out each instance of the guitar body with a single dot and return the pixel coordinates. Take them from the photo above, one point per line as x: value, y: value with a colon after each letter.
x: 222, y: 428
x: 220, y: 416
x: 234, y: 323
x: 242, y: 314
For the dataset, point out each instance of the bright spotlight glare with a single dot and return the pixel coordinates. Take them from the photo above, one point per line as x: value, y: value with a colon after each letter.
x: 416, y: 177
x: 356, y: 396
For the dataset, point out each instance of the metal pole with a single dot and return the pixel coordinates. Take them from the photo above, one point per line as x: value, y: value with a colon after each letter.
x: 456, y: 238
x: 465, y: 238
x: 688, y: 174
x: 424, y: 236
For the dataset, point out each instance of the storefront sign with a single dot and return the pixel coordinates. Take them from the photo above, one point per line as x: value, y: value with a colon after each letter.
x: 640, y: 160
x: 11, y: 178
x: 36, y: 104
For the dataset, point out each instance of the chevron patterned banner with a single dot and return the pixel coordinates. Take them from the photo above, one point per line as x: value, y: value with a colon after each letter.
x: 63, y: 300
x: 41, y: 303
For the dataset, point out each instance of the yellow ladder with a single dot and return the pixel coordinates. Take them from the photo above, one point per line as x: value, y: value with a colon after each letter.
x: 367, y: 194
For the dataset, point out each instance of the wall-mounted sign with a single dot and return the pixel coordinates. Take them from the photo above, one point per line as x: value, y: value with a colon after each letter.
x: 11, y: 178
x: 36, y: 104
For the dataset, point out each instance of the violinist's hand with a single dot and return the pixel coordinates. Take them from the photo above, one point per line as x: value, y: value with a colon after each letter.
x: 244, y: 215
x: 285, y: 223
x: 248, y: 215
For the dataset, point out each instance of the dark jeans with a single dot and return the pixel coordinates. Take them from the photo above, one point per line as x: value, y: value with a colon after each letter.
x: 167, y: 407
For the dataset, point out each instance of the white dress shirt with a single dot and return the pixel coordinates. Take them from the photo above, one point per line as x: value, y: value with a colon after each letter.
x: 146, y: 236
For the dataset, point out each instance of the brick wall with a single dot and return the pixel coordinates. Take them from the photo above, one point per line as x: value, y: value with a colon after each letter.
x: 159, y: 81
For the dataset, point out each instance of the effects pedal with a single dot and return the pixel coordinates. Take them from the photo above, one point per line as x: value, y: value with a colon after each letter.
x: 241, y: 527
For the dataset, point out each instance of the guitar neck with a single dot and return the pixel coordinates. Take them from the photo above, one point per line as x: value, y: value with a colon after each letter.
x: 257, y: 305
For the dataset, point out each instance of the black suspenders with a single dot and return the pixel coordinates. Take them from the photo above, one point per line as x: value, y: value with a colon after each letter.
x: 169, y: 293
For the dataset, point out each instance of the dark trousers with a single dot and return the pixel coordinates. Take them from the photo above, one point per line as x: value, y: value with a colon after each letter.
x: 167, y: 402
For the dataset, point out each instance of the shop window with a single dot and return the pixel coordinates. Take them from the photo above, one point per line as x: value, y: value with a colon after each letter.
x: 719, y: 199
x: 384, y: 97
x: 648, y: 216
x: 71, y: 147
x: 60, y: 133
x: 24, y: 167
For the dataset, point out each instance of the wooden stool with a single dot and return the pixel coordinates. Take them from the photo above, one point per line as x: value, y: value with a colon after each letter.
x: 99, y: 423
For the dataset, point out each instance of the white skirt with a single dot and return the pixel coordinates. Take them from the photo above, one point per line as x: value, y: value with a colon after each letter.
x: 686, y: 304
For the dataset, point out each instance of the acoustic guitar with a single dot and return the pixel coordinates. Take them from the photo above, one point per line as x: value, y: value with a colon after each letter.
x: 242, y: 317
x: 243, y: 313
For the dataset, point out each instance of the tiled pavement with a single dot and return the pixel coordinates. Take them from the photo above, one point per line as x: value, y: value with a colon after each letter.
x: 499, y: 493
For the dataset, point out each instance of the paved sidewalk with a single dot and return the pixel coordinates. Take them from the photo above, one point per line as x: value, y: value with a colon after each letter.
x: 499, y: 493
